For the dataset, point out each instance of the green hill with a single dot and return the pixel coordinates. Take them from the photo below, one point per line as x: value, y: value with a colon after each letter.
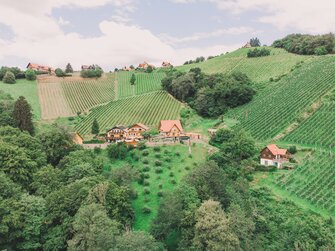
x: 259, y: 69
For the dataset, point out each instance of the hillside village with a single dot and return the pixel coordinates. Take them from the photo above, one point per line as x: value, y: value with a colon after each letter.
x: 238, y: 148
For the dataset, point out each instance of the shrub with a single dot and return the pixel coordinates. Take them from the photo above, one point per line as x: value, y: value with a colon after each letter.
x: 146, y: 176
x: 166, y: 151
x: 169, y: 167
x: 59, y: 72
x: 171, y: 174
x: 158, y: 163
x: 117, y: 151
x: 177, y: 154
x: 141, y: 179
x: 160, y: 186
x: 146, y: 183
x: 190, y: 156
x: 141, y: 145
x: 30, y: 75
x: 160, y: 193
x: 9, y: 78
x: 145, y: 153
x: 258, y: 52
x: 292, y: 149
x: 159, y: 177
x: 168, y: 159
x: 187, y: 168
x: 145, y: 161
x: 146, y: 199
x: 91, y: 73
x: 146, y: 210
x: 158, y: 170
x: 158, y: 155
x: 146, y: 190
x: 173, y: 182
x: 146, y: 169
x: 97, y: 150
x: 157, y: 148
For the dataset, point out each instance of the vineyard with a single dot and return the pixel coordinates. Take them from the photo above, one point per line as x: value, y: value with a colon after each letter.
x: 258, y: 69
x: 278, y: 106
x: 318, y: 130
x: 148, y: 109
x: 313, y: 180
x: 145, y: 82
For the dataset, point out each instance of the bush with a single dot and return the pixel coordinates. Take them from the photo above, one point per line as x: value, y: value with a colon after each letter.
x: 145, y: 161
x: 171, y: 174
x: 146, y: 199
x: 146, y: 210
x: 158, y: 155
x: 167, y: 159
x: 9, y: 78
x: 160, y: 186
x: 166, y: 151
x: 30, y: 75
x: 173, y: 182
x: 97, y: 150
x: 292, y: 149
x: 157, y: 148
x: 146, y: 190
x: 160, y: 193
x: 117, y: 151
x: 158, y: 170
x: 91, y: 73
x: 258, y: 52
x: 146, y: 176
x: 158, y: 163
x: 187, y: 168
x: 59, y: 72
x: 141, y: 179
x: 177, y: 154
x: 146, y: 183
x: 146, y: 169
x: 141, y: 145
x: 145, y: 153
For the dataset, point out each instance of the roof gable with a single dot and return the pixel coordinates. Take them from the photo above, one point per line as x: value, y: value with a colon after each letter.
x: 167, y: 125
x: 275, y: 150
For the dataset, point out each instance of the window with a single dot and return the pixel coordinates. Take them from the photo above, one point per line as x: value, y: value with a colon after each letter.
x: 266, y: 163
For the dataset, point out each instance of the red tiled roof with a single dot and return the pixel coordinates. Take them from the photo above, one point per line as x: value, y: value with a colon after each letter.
x: 275, y: 150
x: 166, y: 125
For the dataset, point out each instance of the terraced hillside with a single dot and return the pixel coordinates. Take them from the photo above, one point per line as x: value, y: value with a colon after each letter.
x: 312, y: 181
x: 148, y: 109
x: 280, y: 104
x: 317, y: 130
x: 145, y: 82
x: 259, y: 69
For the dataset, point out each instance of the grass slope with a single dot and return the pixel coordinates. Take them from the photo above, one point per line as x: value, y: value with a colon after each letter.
x: 259, y: 69
x: 313, y: 181
x: 148, y: 109
x: 282, y: 103
x: 25, y: 88
x: 317, y: 130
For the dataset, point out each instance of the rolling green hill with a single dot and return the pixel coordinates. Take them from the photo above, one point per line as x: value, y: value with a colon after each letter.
x: 259, y: 69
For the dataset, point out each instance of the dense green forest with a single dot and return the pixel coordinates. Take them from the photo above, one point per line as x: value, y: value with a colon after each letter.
x: 57, y: 196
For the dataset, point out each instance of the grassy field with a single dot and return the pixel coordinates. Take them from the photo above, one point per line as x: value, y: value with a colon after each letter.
x: 25, y: 88
x: 175, y: 163
x: 145, y: 82
x: 282, y: 103
x: 148, y: 109
x: 311, y: 181
x: 258, y: 69
x: 317, y: 130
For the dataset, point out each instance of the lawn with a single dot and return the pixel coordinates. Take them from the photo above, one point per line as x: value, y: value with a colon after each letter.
x: 25, y: 88
x: 165, y: 168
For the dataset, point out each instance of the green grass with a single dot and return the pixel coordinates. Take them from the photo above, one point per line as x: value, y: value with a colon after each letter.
x: 283, y: 102
x: 148, y: 109
x: 178, y: 165
x: 317, y: 130
x: 25, y: 88
x: 258, y: 69
x: 145, y: 82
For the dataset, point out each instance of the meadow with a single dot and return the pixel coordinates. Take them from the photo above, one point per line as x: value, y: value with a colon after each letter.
x: 148, y: 109
x: 25, y: 88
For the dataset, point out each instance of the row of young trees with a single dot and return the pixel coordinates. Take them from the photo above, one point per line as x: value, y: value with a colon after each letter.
x: 209, y: 95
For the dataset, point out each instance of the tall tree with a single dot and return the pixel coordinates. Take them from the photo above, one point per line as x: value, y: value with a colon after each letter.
x: 212, y: 231
x: 23, y: 116
x: 133, y: 79
x: 254, y: 42
x: 68, y: 68
x: 95, y: 127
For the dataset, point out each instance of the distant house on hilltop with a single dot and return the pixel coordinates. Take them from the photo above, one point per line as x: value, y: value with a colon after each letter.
x: 171, y: 128
x: 272, y: 155
x: 40, y: 68
x: 87, y: 67
x: 247, y: 45
x: 166, y: 64
x: 145, y: 65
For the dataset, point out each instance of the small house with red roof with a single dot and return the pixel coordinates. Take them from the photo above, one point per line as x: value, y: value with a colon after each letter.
x: 272, y: 155
x: 171, y: 128
x: 167, y: 64
x: 40, y: 68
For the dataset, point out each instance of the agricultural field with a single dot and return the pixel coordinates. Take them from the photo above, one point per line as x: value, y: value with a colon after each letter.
x: 317, y: 130
x: 278, y: 106
x: 313, y: 180
x: 148, y: 109
x: 259, y: 69
x: 25, y: 88
x: 145, y: 82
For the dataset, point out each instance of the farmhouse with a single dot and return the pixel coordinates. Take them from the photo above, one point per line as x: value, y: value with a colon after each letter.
x: 135, y: 131
x: 37, y: 67
x: 117, y: 134
x: 145, y: 65
x: 87, y: 67
x: 273, y: 156
x: 167, y: 64
x: 171, y: 128
x: 247, y: 45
